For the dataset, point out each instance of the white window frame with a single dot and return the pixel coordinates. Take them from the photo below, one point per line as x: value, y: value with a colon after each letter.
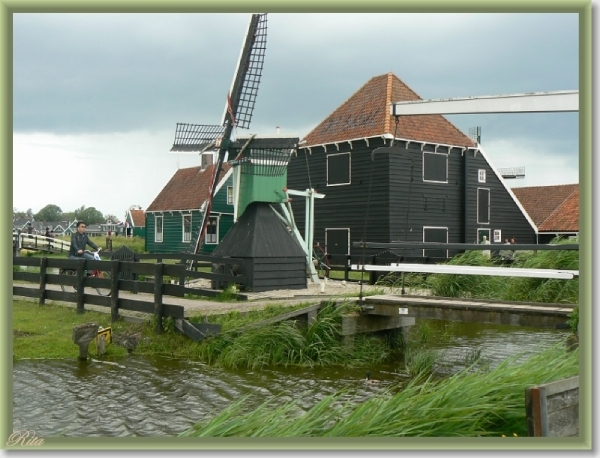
x: 349, y: 169
x: 206, y: 238
x: 434, y: 227
x: 186, y: 236
x: 497, y: 235
x: 159, y: 236
x: 487, y: 230
x: 489, y: 206
x: 423, y: 166
x: 229, y: 195
x: 481, y: 176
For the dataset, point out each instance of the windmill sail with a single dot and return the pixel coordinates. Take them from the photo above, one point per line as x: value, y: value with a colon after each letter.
x: 196, y: 137
x: 244, y: 87
x: 238, y: 108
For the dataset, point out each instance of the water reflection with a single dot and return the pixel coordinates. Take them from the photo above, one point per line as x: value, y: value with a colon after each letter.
x: 160, y: 396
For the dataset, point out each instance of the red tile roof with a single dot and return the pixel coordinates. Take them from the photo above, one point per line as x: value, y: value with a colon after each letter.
x: 367, y: 114
x: 552, y: 208
x: 138, y: 217
x: 187, y: 189
x: 565, y: 218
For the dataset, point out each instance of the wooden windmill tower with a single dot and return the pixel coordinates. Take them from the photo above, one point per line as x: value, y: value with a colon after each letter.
x: 260, y: 234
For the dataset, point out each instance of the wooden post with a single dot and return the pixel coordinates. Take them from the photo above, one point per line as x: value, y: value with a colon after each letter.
x: 114, y: 290
x: 158, y: 287
x: 373, y: 275
x: 81, y: 274
x: 43, y: 267
x: 346, y: 267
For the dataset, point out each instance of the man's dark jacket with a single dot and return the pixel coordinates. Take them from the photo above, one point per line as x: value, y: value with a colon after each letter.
x: 78, y: 242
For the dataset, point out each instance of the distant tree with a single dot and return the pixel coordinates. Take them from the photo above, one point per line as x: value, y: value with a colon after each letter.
x: 90, y: 215
x: 112, y: 218
x: 68, y: 216
x: 18, y: 214
x: 29, y: 213
x: 78, y: 212
x: 50, y: 212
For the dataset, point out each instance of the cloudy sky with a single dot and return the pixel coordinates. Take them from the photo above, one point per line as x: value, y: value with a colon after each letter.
x: 97, y: 96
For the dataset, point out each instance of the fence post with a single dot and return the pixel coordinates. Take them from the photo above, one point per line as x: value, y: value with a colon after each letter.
x: 43, y: 266
x: 114, y: 290
x: 158, y: 287
x: 373, y: 276
x: 81, y: 273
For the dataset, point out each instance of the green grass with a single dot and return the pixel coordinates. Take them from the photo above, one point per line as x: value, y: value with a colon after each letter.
x: 467, y: 404
x: 47, y: 331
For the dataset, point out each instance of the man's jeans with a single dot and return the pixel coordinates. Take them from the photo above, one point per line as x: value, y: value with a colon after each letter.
x: 86, y: 256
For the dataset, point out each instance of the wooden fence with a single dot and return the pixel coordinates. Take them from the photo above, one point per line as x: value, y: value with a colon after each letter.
x: 48, y: 275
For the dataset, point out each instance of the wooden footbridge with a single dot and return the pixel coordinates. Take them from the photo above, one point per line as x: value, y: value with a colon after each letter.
x: 24, y: 241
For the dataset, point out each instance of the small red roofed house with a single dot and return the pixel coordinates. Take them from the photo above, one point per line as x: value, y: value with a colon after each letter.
x: 553, y: 209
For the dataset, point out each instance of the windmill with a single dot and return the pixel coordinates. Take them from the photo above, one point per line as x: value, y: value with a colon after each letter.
x: 259, y: 162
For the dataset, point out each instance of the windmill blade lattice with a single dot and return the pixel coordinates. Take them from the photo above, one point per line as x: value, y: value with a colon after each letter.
x: 196, y: 137
x: 244, y: 91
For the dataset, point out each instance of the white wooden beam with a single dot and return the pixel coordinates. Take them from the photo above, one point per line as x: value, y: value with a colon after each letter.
x: 472, y: 270
x: 535, y: 102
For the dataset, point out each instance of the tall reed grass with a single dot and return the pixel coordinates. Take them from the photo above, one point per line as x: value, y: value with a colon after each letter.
x: 467, y: 404
x: 504, y: 288
x: 285, y: 344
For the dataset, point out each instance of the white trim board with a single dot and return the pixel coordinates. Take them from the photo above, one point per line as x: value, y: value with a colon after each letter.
x: 535, y: 102
x: 472, y: 270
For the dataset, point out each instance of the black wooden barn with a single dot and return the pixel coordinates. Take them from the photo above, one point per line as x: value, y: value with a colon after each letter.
x: 437, y: 187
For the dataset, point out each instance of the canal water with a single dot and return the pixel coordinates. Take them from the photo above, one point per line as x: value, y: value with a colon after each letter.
x: 160, y: 396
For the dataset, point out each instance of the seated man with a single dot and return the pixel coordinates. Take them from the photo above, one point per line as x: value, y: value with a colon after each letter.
x: 78, y: 242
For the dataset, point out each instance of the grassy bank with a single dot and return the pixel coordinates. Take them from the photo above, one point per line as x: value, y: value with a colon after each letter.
x: 468, y: 404
x: 46, y: 332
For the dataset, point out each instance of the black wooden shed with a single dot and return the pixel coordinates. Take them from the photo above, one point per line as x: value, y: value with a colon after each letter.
x: 273, y: 259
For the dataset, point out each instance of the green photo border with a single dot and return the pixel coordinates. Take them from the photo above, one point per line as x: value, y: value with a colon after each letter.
x: 582, y: 7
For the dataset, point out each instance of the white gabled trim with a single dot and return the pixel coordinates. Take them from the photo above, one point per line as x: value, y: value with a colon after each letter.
x: 388, y: 136
x: 223, y: 180
x: 510, y: 193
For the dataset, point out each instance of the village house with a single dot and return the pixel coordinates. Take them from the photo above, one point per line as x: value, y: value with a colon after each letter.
x: 172, y: 220
x: 553, y: 209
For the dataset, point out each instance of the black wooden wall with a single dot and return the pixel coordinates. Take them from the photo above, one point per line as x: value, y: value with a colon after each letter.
x: 400, y: 203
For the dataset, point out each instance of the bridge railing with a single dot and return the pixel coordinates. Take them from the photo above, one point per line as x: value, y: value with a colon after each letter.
x: 23, y: 240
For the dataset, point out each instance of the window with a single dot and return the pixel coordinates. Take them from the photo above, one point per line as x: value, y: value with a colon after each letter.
x: 481, y: 233
x: 435, y: 234
x: 435, y: 167
x: 481, y: 176
x: 483, y: 206
x: 229, y: 195
x: 158, y: 229
x: 338, y: 169
x: 212, y: 230
x: 187, y: 228
x: 337, y: 241
x: 497, y: 236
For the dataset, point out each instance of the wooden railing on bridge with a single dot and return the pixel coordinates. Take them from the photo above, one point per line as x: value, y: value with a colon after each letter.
x: 23, y: 240
x: 158, y: 287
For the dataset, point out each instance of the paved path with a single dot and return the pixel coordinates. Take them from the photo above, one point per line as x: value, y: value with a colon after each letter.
x: 256, y: 301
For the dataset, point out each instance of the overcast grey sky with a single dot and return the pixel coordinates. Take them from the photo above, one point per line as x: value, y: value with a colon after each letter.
x: 97, y: 96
